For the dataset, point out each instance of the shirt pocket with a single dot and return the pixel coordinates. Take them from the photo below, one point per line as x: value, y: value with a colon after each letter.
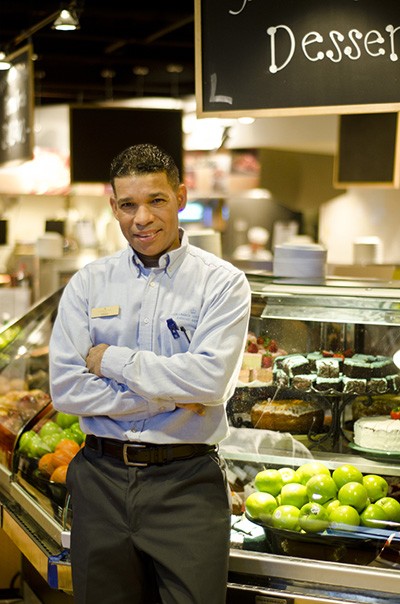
x: 176, y: 338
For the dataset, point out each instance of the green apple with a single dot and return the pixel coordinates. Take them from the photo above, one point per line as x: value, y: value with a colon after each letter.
x: 344, y: 517
x: 314, y: 518
x: 25, y: 440
x: 288, y: 475
x: 260, y: 506
x: 309, y: 469
x: 77, y: 432
x: 294, y: 493
x: 286, y: 517
x: 37, y: 447
x: 53, y: 439
x: 376, y: 486
x: 321, y: 488
x: 65, y: 420
x: 269, y: 481
x: 346, y: 473
x: 391, y: 507
x: 331, y: 505
x: 354, y: 494
x: 49, y: 427
x: 374, y: 516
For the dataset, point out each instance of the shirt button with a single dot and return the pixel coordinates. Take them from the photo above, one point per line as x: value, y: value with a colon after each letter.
x: 152, y: 284
x: 146, y: 320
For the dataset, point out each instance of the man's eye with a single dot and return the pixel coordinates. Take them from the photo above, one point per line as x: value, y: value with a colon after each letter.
x: 157, y: 201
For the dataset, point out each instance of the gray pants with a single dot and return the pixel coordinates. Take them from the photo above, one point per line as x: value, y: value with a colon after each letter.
x: 148, y: 535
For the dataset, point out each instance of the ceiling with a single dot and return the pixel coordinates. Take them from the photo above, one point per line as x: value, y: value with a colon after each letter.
x: 123, y: 49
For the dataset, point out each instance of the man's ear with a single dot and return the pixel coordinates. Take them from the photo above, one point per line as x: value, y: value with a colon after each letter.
x: 181, y: 196
x: 113, y: 204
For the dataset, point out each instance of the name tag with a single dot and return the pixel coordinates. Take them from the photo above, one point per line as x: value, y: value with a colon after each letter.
x: 105, y: 311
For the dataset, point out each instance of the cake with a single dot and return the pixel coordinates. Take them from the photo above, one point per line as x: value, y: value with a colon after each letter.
x: 379, y: 432
x: 292, y: 415
x: 352, y: 374
x: 328, y: 367
x: 295, y: 364
x: 328, y: 383
x: 251, y: 360
x: 258, y: 358
x: 368, y: 406
x: 303, y: 381
x: 354, y: 385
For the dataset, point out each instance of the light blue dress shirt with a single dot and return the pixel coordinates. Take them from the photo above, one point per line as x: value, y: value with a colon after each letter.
x: 117, y: 301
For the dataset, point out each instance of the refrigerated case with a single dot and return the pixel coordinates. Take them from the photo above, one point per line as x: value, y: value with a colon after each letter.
x: 315, y: 320
x: 330, y: 318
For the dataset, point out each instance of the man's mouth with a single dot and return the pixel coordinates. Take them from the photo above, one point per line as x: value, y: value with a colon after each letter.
x: 148, y: 236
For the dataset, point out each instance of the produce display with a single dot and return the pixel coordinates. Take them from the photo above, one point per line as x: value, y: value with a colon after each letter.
x: 313, y: 499
x: 52, y: 445
x: 18, y: 405
x: 42, y: 457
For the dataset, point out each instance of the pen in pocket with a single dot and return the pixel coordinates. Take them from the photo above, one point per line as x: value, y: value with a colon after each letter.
x: 174, y: 329
x: 183, y: 329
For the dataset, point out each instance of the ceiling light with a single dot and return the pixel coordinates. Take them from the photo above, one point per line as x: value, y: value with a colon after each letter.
x: 67, y: 20
x: 4, y: 64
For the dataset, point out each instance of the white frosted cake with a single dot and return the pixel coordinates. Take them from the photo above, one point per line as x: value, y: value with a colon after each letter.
x: 380, y: 433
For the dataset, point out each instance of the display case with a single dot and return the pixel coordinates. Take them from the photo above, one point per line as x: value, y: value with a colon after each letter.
x: 319, y: 357
x: 34, y: 509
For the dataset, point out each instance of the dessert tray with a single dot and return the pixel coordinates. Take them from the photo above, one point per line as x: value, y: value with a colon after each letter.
x: 375, y: 454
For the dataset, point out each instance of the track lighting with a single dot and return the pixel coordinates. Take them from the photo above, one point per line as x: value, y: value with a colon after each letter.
x: 67, y: 20
x: 4, y: 64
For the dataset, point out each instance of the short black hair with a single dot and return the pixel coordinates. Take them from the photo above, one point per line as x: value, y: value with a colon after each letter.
x: 144, y: 159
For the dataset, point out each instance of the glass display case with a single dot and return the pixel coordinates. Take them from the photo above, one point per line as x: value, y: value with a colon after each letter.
x: 319, y: 370
x: 319, y: 358
x: 34, y: 507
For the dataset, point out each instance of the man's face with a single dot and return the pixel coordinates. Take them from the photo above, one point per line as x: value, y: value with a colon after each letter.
x: 146, y: 207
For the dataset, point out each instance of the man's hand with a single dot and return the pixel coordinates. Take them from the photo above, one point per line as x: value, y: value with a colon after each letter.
x: 94, y: 358
x: 93, y: 363
x: 195, y: 407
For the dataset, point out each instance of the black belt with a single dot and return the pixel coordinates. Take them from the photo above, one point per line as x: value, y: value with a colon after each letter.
x: 142, y: 454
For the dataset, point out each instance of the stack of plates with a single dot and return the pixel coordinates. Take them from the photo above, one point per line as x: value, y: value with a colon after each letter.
x: 300, y: 260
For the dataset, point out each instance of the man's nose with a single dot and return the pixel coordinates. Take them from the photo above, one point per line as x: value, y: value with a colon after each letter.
x: 143, y: 215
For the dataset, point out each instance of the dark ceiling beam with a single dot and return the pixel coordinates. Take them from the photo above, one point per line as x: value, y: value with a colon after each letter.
x: 152, y: 37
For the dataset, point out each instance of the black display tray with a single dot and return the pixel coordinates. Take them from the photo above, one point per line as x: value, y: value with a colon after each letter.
x: 39, y: 486
x: 359, y: 546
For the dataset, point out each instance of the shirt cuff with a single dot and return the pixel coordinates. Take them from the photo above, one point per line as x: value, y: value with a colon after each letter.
x: 113, y: 362
x: 115, y: 359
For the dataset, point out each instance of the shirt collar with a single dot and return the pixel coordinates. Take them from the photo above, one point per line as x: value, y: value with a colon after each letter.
x: 168, y: 262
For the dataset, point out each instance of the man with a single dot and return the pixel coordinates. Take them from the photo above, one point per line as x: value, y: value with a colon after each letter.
x: 146, y: 349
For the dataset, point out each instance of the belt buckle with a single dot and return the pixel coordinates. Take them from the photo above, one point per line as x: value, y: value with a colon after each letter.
x: 125, y: 455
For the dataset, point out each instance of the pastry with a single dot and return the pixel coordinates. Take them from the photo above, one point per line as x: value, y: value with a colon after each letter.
x: 292, y: 415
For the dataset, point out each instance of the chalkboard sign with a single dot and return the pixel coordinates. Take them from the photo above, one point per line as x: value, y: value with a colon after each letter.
x: 297, y: 57
x: 368, y: 150
x: 16, y: 108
